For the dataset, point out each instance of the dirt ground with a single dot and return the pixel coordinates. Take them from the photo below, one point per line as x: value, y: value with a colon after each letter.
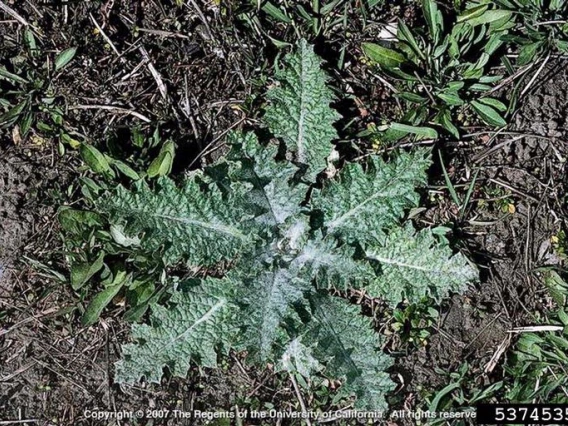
x: 52, y: 369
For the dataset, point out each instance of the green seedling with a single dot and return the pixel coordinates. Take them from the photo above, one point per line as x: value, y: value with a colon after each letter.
x: 499, y: 197
x: 462, y: 204
x: 27, y: 96
x: 144, y: 156
x: 461, y: 395
x: 414, y: 323
x: 441, y: 73
x: 306, y: 18
x: 541, y: 27
x: 98, y: 253
x: 537, y: 368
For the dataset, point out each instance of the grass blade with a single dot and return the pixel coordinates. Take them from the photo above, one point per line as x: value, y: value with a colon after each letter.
x: 449, y: 184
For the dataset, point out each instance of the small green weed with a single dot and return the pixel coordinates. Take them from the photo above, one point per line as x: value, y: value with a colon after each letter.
x: 99, y: 253
x: 276, y: 20
x: 414, y: 323
x: 560, y: 244
x: 27, y: 96
x: 441, y: 73
x: 497, y: 197
x: 537, y: 369
x: 541, y: 27
x: 306, y: 18
x: 460, y: 396
x: 463, y: 204
x: 145, y: 155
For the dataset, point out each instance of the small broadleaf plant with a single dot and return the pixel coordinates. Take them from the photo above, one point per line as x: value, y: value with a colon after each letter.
x: 285, y: 238
x: 442, y: 71
x: 541, y: 27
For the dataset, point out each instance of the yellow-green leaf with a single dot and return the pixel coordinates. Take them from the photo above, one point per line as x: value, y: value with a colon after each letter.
x: 125, y: 169
x: 162, y: 164
x: 74, y: 143
x: 528, y: 52
x: 99, y: 302
x: 94, y: 158
x: 383, y: 56
x: 81, y: 272
x: 495, y: 103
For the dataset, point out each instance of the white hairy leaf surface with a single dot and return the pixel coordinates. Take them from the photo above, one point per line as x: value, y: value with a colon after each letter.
x: 196, y: 222
x: 415, y: 264
x: 361, y: 205
x: 289, y: 243
x: 193, y: 327
x: 299, y: 111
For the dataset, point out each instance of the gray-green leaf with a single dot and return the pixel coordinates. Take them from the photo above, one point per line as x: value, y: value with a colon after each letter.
x: 299, y: 111
x: 414, y: 265
x: 361, y: 205
x: 195, y: 223
x: 64, y: 58
x: 352, y: 349
x: 193, y: 327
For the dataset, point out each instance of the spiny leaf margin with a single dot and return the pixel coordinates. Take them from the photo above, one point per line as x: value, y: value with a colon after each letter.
x: 299, y: 111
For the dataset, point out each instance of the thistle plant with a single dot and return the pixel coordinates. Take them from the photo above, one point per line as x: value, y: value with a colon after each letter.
x: 273, y: 243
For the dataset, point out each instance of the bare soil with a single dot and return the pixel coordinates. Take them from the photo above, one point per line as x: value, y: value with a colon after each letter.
x: 15, y: 227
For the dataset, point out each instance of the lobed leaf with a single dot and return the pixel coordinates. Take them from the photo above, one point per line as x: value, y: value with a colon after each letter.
x: 196, y: 223
x: 274, y: 196
x: 360, y: 206
x: 352, y: 351
x: 193, y: 327
x: 414, y: 265
x: 299, y: 111
x: 269, y: 298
